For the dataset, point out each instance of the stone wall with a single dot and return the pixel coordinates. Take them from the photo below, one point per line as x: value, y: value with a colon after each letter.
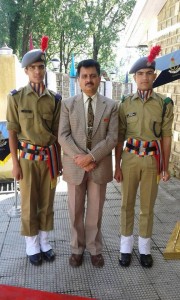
x: 170, y: 41
x: 118, y: 88
x: 63, y: 87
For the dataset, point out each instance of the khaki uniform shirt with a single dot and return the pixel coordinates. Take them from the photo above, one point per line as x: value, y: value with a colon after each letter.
x: 34, y: 118
x: 137, y: 118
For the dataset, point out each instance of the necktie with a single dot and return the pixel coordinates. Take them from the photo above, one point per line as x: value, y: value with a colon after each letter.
x: 90, y: 121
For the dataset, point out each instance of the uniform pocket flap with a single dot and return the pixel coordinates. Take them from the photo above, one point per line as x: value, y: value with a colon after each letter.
x: 132, y: 119
x: 26, y: 115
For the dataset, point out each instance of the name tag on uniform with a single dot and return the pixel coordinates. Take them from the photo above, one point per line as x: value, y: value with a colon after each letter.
x: 131, y: 115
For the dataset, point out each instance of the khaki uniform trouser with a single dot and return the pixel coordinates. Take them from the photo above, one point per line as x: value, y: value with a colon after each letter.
x: 37, y: 197
x: 138, y: 171
x: 86, y: 226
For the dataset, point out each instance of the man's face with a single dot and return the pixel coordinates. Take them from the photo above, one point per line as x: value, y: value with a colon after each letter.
x: 89, y: 80
x: 144, y: 79
x: 36, y: 72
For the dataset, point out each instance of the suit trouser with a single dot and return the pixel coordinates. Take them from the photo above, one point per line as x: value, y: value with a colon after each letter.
x: 138, y: 171
x: 37, y: 197
x: 86, y: 226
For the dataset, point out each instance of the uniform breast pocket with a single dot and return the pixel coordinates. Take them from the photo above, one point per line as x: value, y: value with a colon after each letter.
x: 26, y: 120
x: 131, y: 124
x: 47, y: 118
x: 132, y: 119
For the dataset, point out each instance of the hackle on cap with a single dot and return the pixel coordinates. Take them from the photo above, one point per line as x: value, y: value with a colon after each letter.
x: 44, y: 43
x: 153, y: 53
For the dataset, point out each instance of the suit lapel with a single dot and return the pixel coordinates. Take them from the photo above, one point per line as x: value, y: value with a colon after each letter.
x: 79, y: 108
x: 100, y: 107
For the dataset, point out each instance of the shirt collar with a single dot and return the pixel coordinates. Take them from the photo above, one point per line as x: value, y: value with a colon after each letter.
x: 38, y: 87
x: 86, y: 97
x: 30, y: 90
x: 144, y: 95
x: 136, y: 96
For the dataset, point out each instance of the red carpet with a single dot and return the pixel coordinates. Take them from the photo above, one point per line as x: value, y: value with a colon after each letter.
x: 17, y: 293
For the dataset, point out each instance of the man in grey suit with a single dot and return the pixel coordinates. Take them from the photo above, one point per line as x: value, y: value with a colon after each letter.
x: 88, y: 132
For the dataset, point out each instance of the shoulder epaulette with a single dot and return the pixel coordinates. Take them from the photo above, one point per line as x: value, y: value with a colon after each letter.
x: 168, y: 100
x: 165, y: 99
x: 124, y: 97
x: 56, y: 95
x: 14, y: 92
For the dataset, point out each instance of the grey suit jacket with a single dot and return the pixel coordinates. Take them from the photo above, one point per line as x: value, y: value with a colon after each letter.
x: 72, y: 137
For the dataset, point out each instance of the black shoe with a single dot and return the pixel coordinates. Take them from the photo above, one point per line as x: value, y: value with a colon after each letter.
x: 49, y: 255
x: 125, y: 259
x: 35, y: 259
x: 146, y: 260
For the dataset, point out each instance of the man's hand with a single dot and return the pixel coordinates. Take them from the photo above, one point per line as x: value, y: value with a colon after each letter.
x: 118, y: 152
x: 118, y: 174
x: 61, y: 168
x: 17, y: 171
x: 165, y: 175
x: 82, y: 160
x: 90, y: 167
x: 13, y: 145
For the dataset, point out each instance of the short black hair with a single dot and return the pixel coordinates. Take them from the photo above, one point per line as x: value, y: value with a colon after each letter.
x: 87, y: 63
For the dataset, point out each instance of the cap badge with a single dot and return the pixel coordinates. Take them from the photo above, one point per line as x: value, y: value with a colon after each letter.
x: 148, y: 64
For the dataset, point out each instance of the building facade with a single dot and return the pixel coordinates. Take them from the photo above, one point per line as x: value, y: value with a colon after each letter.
x: 158, y: 23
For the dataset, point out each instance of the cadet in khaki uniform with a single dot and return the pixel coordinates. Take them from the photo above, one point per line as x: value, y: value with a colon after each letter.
x: 32, y: 121
x: 147, y: 132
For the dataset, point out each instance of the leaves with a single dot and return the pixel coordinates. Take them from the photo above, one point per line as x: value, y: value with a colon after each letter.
x: 85, y: 28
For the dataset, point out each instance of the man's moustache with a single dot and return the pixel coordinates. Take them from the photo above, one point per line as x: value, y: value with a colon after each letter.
x: 89, y: 83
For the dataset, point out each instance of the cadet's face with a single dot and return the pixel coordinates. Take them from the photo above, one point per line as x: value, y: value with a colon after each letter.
x: 89, y: 80
x: 144, y: 79
x: 36, y: 72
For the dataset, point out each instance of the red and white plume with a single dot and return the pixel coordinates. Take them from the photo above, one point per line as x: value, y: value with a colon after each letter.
x: 44, y: 43
x: 153, y: 53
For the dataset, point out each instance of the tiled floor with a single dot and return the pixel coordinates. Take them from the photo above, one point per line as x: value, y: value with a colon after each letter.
x: 112, y: 282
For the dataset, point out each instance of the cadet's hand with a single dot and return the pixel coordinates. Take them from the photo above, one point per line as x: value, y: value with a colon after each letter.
x: 61, y: 168
x: 17, y: 171
x: 118, y: 174
x: 165, y: 175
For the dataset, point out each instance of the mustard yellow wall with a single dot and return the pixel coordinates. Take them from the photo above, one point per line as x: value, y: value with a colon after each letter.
x: 8, y: 65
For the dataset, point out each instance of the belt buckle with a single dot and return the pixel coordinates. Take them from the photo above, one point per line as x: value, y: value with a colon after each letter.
x: 142, y: 149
